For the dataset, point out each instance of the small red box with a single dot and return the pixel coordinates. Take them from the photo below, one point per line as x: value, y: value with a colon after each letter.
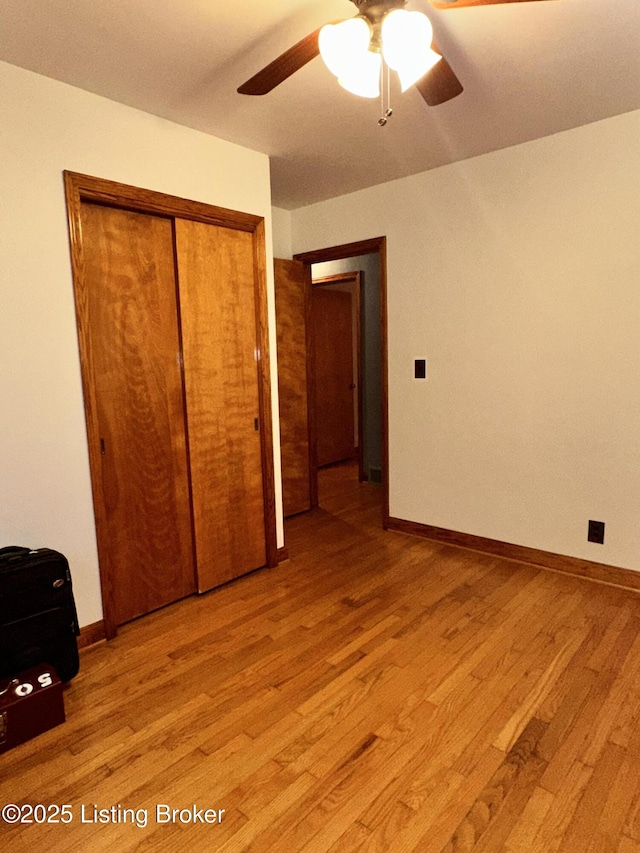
x: 30, y: 703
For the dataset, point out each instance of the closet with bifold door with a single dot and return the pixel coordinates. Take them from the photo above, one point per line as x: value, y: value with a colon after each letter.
x: 172, y: 327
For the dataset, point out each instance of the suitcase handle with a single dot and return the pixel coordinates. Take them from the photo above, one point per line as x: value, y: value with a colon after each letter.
x: 11, y: 684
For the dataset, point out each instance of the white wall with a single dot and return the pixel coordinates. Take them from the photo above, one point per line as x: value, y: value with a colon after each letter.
x: 46, y: 127
x: 517, y: 275
x: 281, y: 233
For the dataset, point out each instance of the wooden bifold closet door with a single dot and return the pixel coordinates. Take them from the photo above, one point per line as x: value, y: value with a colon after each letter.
x: 171, y: 324
x: 215, y: 267
x: 137, y: 380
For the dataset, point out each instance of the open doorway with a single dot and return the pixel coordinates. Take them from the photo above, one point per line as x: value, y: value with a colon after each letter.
x: 360, y: 277
x: 297, y: 369
x: 336, y: 340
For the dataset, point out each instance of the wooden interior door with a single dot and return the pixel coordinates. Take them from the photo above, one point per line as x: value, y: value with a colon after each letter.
x: 334, y: 379
x: 291, y: 326
x: 221, y: 350
x: 144, y: 537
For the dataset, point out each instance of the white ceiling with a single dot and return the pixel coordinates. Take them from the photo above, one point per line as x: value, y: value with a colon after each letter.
x: 528, y: 70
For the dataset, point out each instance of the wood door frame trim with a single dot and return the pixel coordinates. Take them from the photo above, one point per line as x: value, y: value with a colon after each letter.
x: 264, y: 391
x: 126, y: 197
x: 81, y: 188
x: 375, y: 245
x: 312, y: 425
x: 354, y: 278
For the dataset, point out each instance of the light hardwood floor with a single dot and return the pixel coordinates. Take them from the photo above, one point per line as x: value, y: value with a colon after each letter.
x: 377, y: 692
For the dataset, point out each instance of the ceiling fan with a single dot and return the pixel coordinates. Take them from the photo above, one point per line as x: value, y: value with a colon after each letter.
x: 436, y: 80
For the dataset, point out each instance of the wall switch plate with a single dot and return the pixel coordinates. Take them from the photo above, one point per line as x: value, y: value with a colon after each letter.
x: 420, y: 368
x: 596, y: 532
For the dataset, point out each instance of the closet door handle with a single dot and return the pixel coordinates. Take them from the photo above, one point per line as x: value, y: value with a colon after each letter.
x: 256, y: 424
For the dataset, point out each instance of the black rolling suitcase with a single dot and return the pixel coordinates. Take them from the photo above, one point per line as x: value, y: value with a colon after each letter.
x: 38, y: 621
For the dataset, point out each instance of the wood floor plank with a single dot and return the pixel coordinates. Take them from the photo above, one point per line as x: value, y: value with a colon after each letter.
x: 533, y: 817
x: 492, y: 816
x: 376, y: 692
x: 583, y: 827
x: 562, y: 809
x: 445, y: 804
x: 535, y: 695
x: 628, y: 845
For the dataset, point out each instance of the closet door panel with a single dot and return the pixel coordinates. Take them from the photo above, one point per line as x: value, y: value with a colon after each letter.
x: 145, y: 537
x: 219, y: 339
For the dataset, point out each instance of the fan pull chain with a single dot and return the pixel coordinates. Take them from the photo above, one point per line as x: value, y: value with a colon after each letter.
x: 386, y: 112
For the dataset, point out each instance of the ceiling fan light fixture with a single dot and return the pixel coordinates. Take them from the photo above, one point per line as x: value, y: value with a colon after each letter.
x: 406, y: 40
x: 341, y: 45
x: 355, y: 50
x: 344, y: 48
x: 363, y: 78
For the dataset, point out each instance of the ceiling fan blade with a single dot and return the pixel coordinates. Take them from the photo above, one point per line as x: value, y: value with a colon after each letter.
x: 459, y: 4
x: 440, y: 84
x: 284, y: 66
